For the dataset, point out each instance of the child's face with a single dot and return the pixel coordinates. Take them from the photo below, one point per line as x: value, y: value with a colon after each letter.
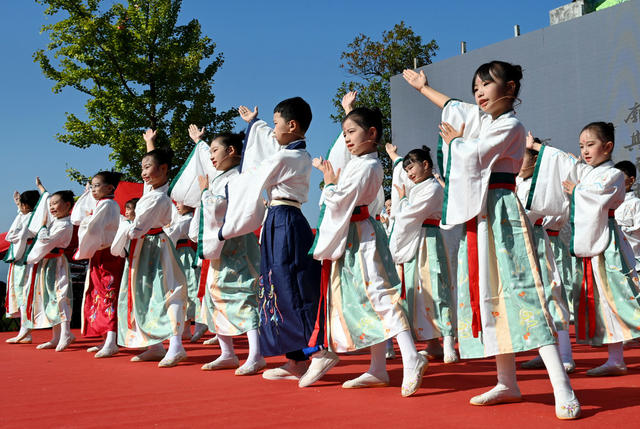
x: 593, y: 150
x: 285, y: 131
x: 387, y: 206
x: 129, y: 212
x: 493, y: 97
x: 221, y: 156
x: 152, y: 173
x: 99, y: 189
x: 58, y: 207
x: 418, y: 171
x: 24, y: 208
x: 359, y: 141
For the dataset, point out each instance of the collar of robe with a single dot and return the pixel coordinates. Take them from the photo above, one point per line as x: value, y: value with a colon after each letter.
x: 298, y: 144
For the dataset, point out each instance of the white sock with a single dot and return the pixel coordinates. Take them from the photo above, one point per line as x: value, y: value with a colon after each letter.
x: 23, y: 322
x: 557, y: 375
x: 110, y: 340
x: 407, y: 350
x: 506, y: 368
x: 65, y: 329
x: 254, y: 346
x: 616, y: 357
x: 226, y: 346
x: 564, y: 344
x: 378, y: 367
x: 55, y: 334
x: 175, y: 345
x: 449, y: 345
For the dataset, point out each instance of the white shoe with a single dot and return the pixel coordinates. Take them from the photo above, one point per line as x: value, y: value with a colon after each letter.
x: 106, y: 352
x: 95, y: 349
x: 292, y: 370
x: 569, y: 367
x: 451, y: 358
x: 497, y: 396
x: 607, y: 370
x: 221, y: 363
x: 413, y: 381
x: 321, y: 363
x: 366, y: 380
x: 47, y: 345
x: 150, y: 355
x: 65, y: 342
x: 211, y: 341
x: 253, y: 368
x: 23, y: 337
x: 171, y: 361
x: 569, y: 410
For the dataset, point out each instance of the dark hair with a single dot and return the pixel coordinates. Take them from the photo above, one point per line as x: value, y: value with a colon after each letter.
x: 532, y: 151
x: 604, y: 130
x: 132, y: 202
x: 295, y: 109
x: 627, y: 168
x: 418, y: 155
x: 500, y: 70
x: 66, y: 196
x: 236, y: 141
x: 161, y: 156
x: 367, y: 118
x: 109, y: 177
x: 30, y: 198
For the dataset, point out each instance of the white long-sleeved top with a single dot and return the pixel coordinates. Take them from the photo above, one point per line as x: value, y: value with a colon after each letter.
x: 57, y: 235
x: 18, y: 235
x: 628, y: 217
x: 178, y: 229
x: 98, y: 230
x: 358, y: 185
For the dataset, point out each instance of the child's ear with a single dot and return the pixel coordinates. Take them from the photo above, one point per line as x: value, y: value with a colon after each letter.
x: 373, y: 134
x: 164, y: 168
x: 294, y: 126
x: 608, y: 147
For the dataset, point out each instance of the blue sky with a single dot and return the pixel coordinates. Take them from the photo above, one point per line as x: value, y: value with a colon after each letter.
x: 272, y: 50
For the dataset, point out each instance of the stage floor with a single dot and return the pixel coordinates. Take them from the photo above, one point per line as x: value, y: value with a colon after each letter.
x: 42, y: 388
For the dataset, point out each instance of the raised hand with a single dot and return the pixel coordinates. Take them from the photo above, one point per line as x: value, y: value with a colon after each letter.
x: 203, y: 181
x: 568, y: 186
x: 402, y: 191
x: 149, y: 137
x: 392, y: 151
x: 196, y: 133
x: 439, y: 179
x: 416, y: 80
x: 448, y: 133
x: 348, y: 100
x: 246, y: 114
x: 317, y: 163
x: 330, y: 177
x: 40, y: 185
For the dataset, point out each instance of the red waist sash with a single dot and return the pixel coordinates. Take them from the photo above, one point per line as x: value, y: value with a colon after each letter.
x: 553, y: 232
x: 587, y: 305
x: 186, y: 243
x: 431, y: 222
x: 360, y: 213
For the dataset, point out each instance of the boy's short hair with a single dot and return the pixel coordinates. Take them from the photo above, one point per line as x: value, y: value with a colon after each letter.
x: 161, y: 156
x: 295, y: 109
x: 66, y: 196
x: 30, y: 198
x: 627, y: 168
x: 132, y: 202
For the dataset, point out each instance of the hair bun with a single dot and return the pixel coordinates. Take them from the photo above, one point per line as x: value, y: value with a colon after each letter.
x: 426, y: 149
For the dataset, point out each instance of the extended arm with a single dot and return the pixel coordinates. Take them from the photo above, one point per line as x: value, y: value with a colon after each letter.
x: 419, y: 82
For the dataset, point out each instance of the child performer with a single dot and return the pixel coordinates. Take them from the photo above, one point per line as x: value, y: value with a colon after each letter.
x: 361, y: 285
x: 628, y: 214
x: 276, y: 161
x: 178, y: 233
x: 153, y: 293
x: 553, y: 287
x: 609, y: 300
x: 96, y: 232
x: 130, y: 209
x: 417, y: 245
x: 501, y: 304
x: 230, y: 303
x: 19, y: 278
x: 49, y: 304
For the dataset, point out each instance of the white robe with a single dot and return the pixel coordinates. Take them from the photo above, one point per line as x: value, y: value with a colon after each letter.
x: 185, y: 187
x: 18, y: 235
x: 98, y: 230
x: 628, y: 218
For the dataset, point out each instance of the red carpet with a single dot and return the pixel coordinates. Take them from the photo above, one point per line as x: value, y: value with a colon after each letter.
x: 42, y: 388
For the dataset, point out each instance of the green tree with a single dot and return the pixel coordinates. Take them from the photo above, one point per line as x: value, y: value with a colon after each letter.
x: 372, y: 63
x: 137, y: 68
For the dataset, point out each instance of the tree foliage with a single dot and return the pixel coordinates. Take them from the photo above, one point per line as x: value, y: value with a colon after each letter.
x: 138, y: 69
x: 372, y: 63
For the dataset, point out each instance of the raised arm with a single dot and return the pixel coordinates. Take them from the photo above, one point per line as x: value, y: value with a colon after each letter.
x: 40, y: 186
x: 419, y: 82
x: 196, y: 133
x: 248, y: 115
x: 392, y: 151
x: 348, y: 100
x: 149, y: 137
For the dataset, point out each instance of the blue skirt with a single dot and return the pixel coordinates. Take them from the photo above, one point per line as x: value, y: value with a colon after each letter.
x: 289, y: 287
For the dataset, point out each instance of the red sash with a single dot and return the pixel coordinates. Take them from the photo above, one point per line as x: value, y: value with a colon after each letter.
x: 431, y: 222
x: 360, y: 213
x: 587, y: 302
x: 539, y: 222
x: 186, y: 243
x: 322, y: 311
x: 553, y: 233
x: 132, y: 249
x: 204, y: 271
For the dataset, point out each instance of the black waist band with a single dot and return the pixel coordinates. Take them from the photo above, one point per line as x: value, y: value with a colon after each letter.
x: 508, y: 178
